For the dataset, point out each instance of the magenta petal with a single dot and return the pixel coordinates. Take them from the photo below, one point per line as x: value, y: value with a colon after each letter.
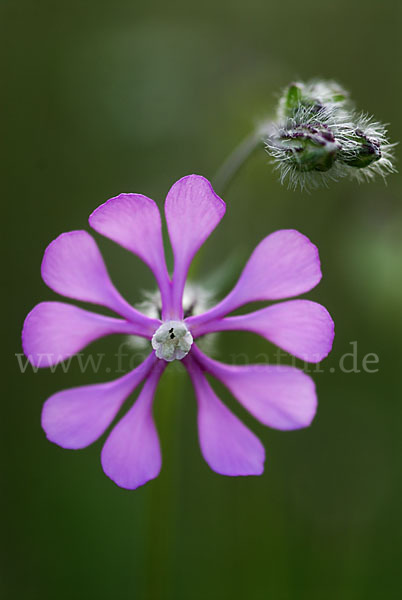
x: 193, y: 210
x: 227, y: 445
x: 134, y: 222
x: 279, y: 396
x: 53, y: 331
x: 283, y: 265
x: 131, y: 455
x: 301, y: 327
x: 73, y: 267
x: 77, y: 417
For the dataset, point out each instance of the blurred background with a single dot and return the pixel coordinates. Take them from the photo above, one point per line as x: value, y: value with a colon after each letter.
x: 101, y: 98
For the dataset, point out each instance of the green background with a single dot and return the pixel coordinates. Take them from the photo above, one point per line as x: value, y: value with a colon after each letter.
x: 105, y: 97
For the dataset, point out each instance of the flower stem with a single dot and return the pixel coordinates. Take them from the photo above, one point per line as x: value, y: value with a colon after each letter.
x: 235, y: 161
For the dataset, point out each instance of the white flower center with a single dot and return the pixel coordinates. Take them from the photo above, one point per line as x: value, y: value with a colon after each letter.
x: 172, y: 340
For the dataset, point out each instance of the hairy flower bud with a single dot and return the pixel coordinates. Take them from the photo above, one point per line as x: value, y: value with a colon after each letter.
x: 309, y: 148
x: 314, y: 96
x: 317, y: 136
x: 362, y: 151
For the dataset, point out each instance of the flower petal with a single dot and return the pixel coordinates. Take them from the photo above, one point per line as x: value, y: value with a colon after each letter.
x: 193, y: 210
x: 283, y: 265
x: 73, y: 267
x: 227, y: 445
x: 131, y: 455
x: 75, y: 418
x: 301, y: 327
x: 134, y: 222
x: 53, y: 331
x: 279, y: 396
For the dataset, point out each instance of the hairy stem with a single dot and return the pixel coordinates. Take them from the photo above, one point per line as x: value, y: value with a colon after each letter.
x: 235, y: 161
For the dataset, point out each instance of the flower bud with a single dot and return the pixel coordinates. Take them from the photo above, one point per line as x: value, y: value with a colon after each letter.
x: 318, y: 136
x: 363, y: 150
x: 313, y: 96
x: 309, y: 148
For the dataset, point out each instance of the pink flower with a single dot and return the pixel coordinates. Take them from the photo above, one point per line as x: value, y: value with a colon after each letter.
x: 285, y: 264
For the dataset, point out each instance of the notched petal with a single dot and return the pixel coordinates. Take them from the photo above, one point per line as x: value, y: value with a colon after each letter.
x: 279, y: 396
x: 228, y: 446
x: 54, y: 331
x: 77, y: 417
